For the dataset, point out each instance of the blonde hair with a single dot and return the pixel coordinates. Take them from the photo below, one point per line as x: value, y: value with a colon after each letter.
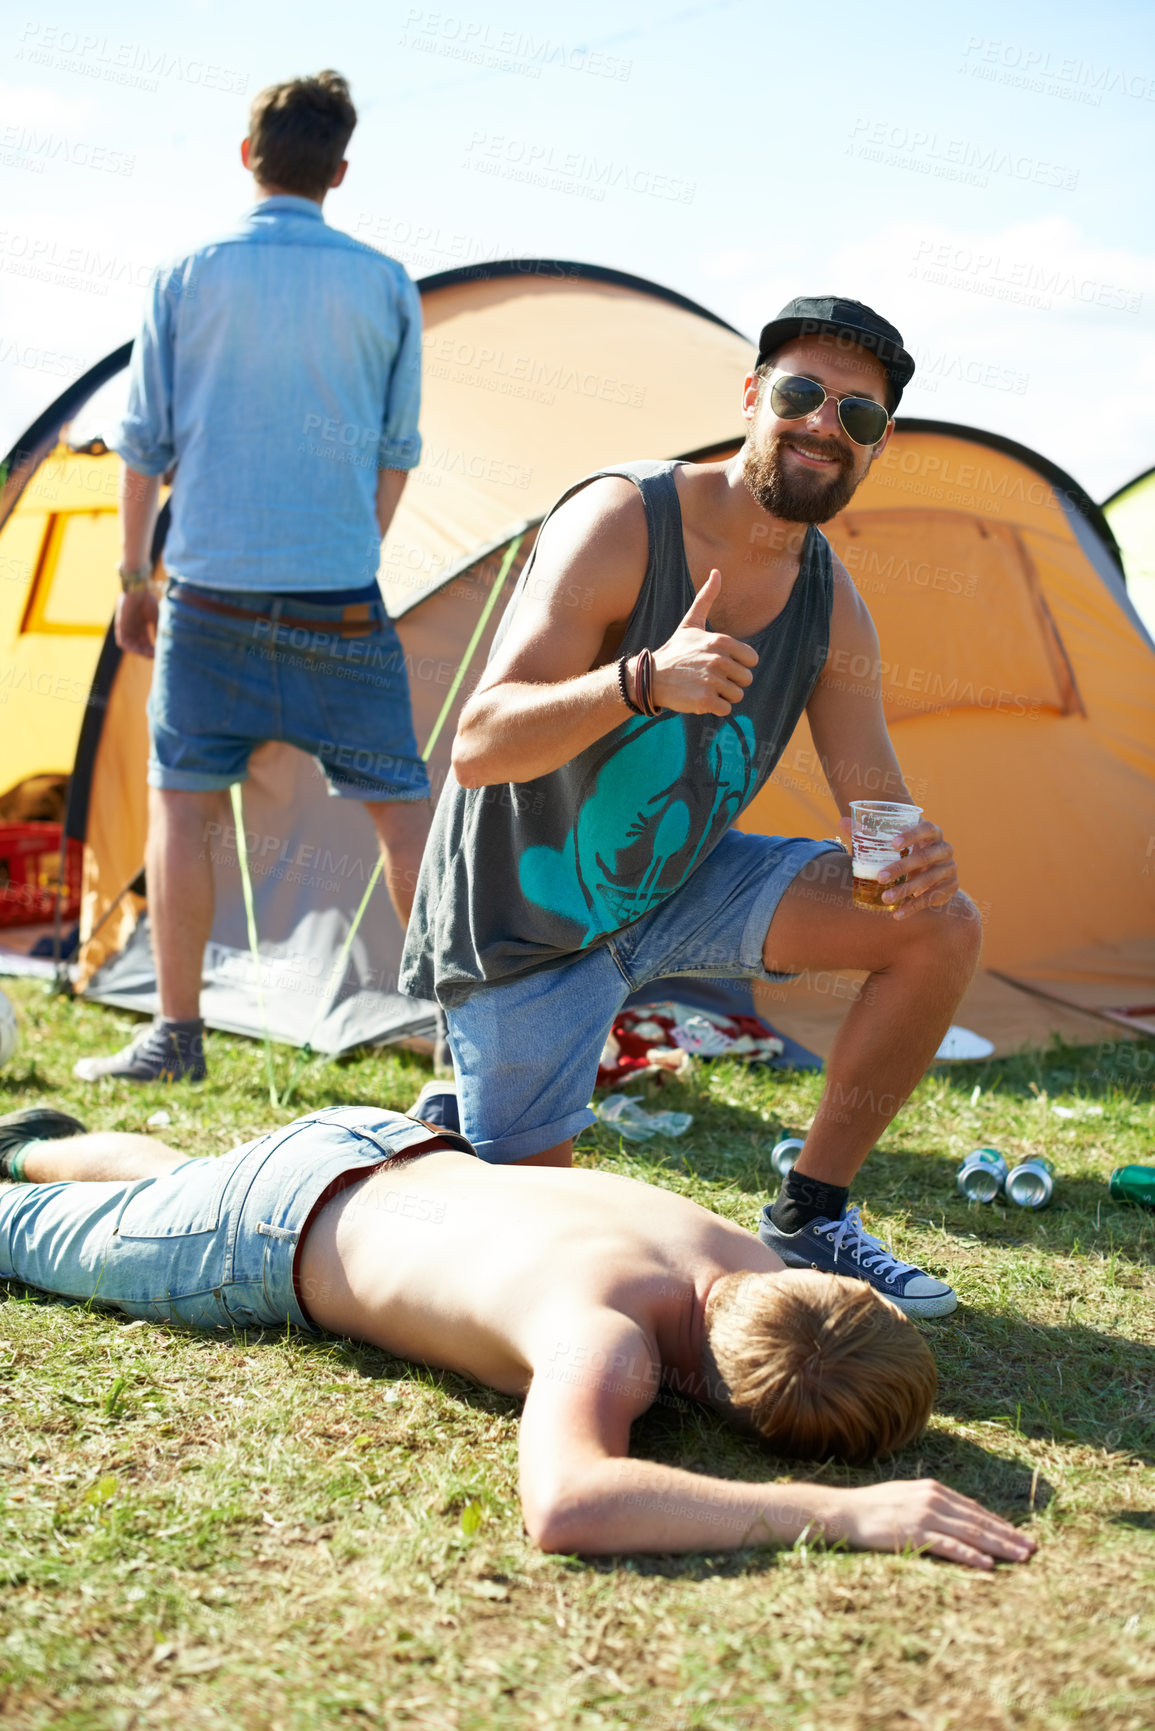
x: 816, y: 1364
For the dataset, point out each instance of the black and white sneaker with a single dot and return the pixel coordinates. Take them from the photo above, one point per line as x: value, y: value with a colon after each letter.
x: 166, y: 1052
x: 846, y: 1247
x: 33, y: 1124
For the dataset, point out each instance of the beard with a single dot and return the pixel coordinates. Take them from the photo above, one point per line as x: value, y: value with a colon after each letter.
x: 795, y: 495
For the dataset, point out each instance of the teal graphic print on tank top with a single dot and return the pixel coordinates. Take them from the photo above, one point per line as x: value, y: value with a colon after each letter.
x: 644, y: 824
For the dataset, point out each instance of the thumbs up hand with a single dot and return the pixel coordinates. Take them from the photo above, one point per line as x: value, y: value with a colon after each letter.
x: 698, y: 671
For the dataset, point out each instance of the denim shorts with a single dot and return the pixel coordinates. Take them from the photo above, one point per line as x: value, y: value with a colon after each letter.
x: 221, y: 686
x: 526, y: 1051
x: 211, y: 1245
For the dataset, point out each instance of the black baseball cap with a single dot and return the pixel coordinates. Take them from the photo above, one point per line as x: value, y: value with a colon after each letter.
x: 809, y: 314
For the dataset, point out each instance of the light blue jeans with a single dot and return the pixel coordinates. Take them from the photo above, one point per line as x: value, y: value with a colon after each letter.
x: 526, y: 1050
x: 221, y: 686
x: 212, y: 1244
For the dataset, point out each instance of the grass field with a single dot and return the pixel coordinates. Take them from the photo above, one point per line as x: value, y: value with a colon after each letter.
x: 267, y: 1532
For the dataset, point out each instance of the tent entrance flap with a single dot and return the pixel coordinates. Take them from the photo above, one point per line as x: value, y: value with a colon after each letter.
x: 970, y: 588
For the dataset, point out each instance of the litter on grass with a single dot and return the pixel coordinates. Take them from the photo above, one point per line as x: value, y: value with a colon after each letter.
x: 699, y: 1034
x: 964, y: 1044
x: 651, y: 1038
x: 635, y: 1123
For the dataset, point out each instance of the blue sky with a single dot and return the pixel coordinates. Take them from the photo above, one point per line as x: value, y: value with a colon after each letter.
x: 982, y: 175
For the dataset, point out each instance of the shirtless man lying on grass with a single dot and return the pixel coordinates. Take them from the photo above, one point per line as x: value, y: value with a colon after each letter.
x: 580, y: 1290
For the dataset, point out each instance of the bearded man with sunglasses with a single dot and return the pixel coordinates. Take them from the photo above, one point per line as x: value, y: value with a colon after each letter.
x: 584, y: 845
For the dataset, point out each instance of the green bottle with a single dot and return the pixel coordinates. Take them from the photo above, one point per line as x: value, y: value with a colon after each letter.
x: 1133, y: 1184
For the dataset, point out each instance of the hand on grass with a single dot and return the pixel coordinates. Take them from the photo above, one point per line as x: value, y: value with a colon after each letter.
x: 923, y: 1515
x: 698, y: 671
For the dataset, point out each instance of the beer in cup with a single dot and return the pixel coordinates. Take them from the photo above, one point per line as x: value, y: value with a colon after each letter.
x: 876, y: 823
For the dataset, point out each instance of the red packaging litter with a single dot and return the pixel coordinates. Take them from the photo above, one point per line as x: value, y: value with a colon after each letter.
x: 648, y: 1038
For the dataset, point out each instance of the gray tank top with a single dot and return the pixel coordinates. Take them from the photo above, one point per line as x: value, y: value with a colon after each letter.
x: 525, y: 875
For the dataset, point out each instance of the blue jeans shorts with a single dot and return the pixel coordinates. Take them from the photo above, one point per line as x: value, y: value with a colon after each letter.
x: 210, y: 1245
x: 223, y: 685
x: 526, y: 1051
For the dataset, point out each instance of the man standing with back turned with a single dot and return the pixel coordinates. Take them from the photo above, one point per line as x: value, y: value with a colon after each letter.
x: 634, y: 730
x: 279, y: 370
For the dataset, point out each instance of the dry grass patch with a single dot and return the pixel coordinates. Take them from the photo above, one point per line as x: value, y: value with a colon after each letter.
x: 259, y: 1531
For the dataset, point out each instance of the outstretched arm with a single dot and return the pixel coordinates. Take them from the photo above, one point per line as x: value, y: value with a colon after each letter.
x: 581, y: 1493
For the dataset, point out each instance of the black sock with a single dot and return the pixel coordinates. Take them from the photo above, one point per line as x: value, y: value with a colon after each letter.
x: 803, y: 1199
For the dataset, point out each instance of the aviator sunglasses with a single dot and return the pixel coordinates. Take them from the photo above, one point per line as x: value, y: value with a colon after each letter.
x: 794, y: 398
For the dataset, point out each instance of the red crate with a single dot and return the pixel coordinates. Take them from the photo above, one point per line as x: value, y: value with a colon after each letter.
x: 30, y: 872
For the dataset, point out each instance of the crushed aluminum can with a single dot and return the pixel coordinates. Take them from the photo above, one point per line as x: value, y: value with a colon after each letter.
x: 1031, y: 1185
x: 981, y: 1175
x: 784, y: 1154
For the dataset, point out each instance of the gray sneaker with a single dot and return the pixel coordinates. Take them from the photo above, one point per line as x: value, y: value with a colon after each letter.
x: 166, y: 1052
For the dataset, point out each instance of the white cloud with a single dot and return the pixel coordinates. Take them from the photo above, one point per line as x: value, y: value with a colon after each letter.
x: 39, y: 107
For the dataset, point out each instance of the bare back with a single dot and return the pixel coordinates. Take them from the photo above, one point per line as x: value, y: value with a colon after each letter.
x: 500, y: 1271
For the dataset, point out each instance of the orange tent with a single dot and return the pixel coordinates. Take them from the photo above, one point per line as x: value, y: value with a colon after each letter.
x: 1017, y: 679
x: 1019, y: 687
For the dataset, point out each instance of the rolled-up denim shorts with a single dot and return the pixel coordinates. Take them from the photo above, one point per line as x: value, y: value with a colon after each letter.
x: 212, y: 1244
x: 526, y: 1051
x: 221, y: 686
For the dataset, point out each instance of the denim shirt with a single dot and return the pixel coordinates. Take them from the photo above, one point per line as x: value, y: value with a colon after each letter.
x: 279, y: 368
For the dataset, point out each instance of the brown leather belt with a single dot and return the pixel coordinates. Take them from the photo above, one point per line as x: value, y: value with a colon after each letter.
x: 356, y: 618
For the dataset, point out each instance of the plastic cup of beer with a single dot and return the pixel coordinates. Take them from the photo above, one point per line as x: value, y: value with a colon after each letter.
x: 876, y: 822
